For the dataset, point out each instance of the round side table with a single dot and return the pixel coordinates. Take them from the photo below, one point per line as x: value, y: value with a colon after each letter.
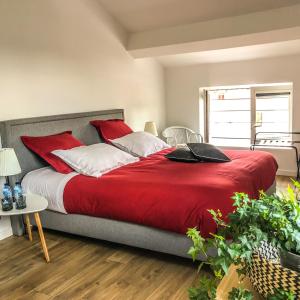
x: 35, y: 204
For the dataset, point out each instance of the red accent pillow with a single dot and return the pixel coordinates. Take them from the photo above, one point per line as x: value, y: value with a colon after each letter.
x: 111, y: 129
x: 43, y: 145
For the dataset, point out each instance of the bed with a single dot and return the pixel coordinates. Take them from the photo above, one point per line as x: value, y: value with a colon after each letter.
x: 164, y: 239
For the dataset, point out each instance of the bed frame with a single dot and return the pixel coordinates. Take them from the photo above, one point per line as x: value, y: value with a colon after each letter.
x: 99, y: 228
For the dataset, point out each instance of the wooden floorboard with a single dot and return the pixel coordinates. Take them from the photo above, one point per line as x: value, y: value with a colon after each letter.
x: 83, y: 268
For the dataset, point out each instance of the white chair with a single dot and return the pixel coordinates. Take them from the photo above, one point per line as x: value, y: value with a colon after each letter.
x: 178, y: 135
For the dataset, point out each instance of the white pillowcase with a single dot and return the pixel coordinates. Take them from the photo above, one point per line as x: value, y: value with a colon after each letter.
x: 95, y: 160
x: 140, y: 144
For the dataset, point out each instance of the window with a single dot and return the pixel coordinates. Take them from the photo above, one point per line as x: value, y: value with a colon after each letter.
x: 272, y: 111
x: 235, y: 115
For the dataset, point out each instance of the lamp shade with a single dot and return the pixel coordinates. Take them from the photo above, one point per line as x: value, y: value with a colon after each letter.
x: 151, y: 128
x: 9, y: 164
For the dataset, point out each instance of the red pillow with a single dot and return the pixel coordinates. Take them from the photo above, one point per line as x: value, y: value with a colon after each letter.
x: 43, y: 145
x: 111, y: 129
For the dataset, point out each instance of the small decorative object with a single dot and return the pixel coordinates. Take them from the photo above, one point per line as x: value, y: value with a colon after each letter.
x: 7, y: 201
x: 19, y: 196
x: 150, y: 127
x: 9, y: 165
x: 221, y: 96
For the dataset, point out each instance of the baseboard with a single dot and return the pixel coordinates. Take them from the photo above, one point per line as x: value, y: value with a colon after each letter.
x: 284, y: 172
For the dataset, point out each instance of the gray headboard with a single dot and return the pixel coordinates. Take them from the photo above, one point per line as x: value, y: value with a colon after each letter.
x: 79, y: 124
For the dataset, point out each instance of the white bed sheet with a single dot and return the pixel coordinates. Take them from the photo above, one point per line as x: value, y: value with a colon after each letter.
x: 49, y: 184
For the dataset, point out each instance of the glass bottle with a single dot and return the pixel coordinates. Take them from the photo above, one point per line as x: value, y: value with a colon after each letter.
x: 7, y: 201
x: 19, y: 196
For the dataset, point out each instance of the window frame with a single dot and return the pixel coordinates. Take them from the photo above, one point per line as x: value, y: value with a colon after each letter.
x: 254, y: 90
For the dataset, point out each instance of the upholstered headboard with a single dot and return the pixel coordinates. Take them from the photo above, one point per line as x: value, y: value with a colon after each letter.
x: 78, y: 123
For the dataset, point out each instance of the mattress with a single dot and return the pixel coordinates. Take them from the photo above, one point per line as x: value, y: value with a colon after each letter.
x: 49, y: 184
x: 156, y: 192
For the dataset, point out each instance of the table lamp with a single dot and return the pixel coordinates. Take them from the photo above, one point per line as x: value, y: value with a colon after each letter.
x: 9, y: 164
x: 151, y: 128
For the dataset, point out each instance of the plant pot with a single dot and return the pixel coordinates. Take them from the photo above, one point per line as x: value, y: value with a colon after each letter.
x: 267, y: 274
x: 290, y: 260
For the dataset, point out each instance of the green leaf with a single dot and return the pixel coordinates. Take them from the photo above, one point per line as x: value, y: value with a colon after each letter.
x: 239, y: 294
x: 281, y: 295
x: 291, y: 193
x: 206, y: 289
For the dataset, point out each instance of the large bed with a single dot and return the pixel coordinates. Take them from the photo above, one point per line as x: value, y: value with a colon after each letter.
x: 152, y: 189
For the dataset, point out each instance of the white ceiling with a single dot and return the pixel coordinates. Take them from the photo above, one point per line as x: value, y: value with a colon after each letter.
x: 232, y: 54
x: 141, y: 15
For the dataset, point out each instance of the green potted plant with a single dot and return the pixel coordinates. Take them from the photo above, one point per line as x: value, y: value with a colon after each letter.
x: 271, y: 219
x: 288, y: 231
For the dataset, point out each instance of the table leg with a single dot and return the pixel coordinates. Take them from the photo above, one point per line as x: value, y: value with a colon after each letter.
x: 42, y: 237
x: 28, y: 226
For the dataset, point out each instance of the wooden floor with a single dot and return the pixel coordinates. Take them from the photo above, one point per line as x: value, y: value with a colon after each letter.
x: 282, y: 182
x: 83, y: 268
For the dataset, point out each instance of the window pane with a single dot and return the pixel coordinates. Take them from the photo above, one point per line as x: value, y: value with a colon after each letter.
x: 274, y: 127
x: 234, y: 130
x: 274, y: 116
x: 273, y: 113
x: 230, y: 94
x: 230, y: 142
x: 276, y: 103
x: 225, y: 105
x: 230, y: 117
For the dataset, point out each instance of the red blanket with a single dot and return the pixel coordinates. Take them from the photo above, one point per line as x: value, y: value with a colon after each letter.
x: 170, y: 195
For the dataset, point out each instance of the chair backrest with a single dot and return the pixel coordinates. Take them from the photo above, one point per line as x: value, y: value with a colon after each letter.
x: 175, y: 135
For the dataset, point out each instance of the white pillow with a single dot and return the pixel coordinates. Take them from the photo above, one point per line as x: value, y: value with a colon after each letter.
x: 140, y: 144
x: 95, y: 160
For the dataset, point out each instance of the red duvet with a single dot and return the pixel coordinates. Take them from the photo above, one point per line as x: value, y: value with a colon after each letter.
x: 170, y: 195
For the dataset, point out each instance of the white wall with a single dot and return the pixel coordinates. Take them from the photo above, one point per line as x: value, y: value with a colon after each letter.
x: 68, y: 56
x: 183, y: 83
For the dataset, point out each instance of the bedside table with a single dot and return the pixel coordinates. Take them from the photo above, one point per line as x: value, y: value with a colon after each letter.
x: 35, y: 204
